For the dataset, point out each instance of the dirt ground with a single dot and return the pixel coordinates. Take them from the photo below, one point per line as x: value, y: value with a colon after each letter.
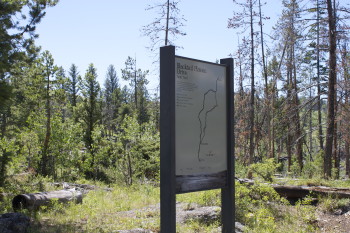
x: 336, y: 222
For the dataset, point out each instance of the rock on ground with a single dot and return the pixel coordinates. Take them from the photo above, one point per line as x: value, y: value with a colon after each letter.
x: 187, y: 212
x: 184, y: 212
x: 137, y: 230
x: 239, y: 227
x: 14, y: 223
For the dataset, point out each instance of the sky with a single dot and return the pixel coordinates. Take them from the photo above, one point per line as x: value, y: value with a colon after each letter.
x: 106, y: 32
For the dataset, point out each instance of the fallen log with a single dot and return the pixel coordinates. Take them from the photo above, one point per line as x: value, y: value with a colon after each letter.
x: 85, y: 188
x: 33, y: 201
x: 299, y: 192
x: 313, y: 191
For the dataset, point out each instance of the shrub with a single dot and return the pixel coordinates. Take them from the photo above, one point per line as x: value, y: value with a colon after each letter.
x: 264, y: 170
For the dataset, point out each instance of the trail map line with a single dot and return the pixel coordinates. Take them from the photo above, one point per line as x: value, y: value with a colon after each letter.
x: 203, y: 124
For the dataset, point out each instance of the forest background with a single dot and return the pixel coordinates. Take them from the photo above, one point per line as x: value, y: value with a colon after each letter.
x: 291, y: 100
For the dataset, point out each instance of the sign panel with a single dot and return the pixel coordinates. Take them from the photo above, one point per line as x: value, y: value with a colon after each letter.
x: 200, y: 125
x: 196, y: 133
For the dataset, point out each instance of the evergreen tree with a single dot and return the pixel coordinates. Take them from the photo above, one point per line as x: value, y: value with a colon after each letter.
x: 91, y: 108
x: 18, y: 20
x: 49, y: 70
x: 112, y: 99
x: 74, y: 84
x: 137, y: 83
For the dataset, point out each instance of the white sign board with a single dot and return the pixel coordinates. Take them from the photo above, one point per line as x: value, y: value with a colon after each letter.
x: 200, y: 118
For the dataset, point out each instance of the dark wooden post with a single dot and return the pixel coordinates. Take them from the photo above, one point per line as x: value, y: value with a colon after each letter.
x: 228, y: 192
x: 167, y: 140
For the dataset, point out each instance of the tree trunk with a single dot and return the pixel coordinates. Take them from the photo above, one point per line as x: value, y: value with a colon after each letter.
x: 129, y: 168
x: 289, y: 128
x: 167, y: 23
x: 252, y: 89
x: 320, y: 131
x: 346, y: 103
x: 310, y: 125
x: 347, y: 157
x: 44, y: 158
x: 5, y: 155
x: 267, y: 98
x: 327, y: 168
x: 298, y: 134
x: 335, y: 144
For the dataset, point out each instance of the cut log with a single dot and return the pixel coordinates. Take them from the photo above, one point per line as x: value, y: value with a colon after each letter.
x: 33, y: 201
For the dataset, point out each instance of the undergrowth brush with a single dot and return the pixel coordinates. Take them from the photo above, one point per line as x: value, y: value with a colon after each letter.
x: 261, y: 209
x: 257, y: 206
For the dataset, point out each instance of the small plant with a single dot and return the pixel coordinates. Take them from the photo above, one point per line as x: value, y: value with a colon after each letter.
x: 313, y: 167
x: 331, y: 204
x: 265, y: 170
x: 189, y: 206
x: 252, y: 203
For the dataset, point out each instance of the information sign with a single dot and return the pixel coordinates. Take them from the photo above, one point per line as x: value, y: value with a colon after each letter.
x: 196, y: 133
x: 200, y: 125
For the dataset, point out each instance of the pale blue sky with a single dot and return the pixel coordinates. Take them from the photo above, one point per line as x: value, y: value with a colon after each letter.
x: 106, y: 32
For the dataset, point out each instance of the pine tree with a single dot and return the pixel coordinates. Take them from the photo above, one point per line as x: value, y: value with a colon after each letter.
x: 91, y: 110
x: 74, y: 84
x: 137, y: 83
x: 112, y: 99
x: 49, y: 70
x: 18, y: 20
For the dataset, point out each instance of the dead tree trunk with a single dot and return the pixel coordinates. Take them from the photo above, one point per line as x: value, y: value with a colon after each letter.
x: 327, y: 167
x: 252, y: 88
x: 319, y: 115
x: 347, y: 138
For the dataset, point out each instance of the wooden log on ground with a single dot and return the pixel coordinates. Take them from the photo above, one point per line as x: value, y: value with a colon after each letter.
x: 84, y: 187
x: 299, y: 192
x: 290, y: 191
x: 35, y: 200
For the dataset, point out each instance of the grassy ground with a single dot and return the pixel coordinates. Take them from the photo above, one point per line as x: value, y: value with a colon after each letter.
x: 124, y: 208
x: 137, y: 206
x: 258, y: 207
x: 101, y: 211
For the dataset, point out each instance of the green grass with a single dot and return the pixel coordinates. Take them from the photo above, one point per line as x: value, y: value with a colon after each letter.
x: 124, y: 208
x: 137, y: 206
x: 315, y: 182
x: 102, y: 211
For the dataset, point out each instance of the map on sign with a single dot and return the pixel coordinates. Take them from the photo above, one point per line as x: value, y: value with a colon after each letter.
x: 200, y: 118
x: 210, y: 103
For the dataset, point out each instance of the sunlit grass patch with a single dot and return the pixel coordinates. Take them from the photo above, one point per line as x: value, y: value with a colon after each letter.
x: 100, y: 210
